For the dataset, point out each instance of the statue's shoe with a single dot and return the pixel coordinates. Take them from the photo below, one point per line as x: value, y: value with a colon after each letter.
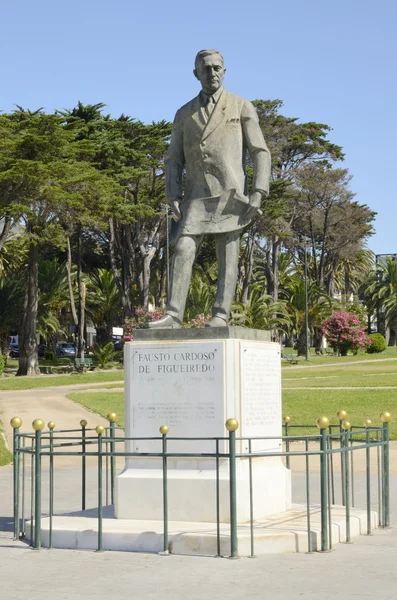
x: 217, y: 322
x: 166, y: 322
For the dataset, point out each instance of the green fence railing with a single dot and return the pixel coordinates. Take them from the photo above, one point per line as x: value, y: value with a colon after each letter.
x: 105, y: 445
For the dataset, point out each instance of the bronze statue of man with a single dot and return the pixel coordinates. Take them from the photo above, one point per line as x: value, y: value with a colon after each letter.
x: 206, y: 185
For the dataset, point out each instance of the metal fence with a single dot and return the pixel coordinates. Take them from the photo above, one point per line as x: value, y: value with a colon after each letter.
x: 332, y: 442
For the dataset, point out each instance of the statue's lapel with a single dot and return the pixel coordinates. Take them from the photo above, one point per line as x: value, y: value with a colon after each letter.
x: 218, y: 115
x: 197, y: 114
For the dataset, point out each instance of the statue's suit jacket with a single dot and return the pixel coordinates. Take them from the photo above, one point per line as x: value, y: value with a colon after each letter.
x: 208, y: 158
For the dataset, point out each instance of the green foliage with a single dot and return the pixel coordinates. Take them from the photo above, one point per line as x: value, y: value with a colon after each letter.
x: 104, y: 355
x: 2, y: 363
x: 378, y: 343
x: 48, y: 355
x: 261, y: 312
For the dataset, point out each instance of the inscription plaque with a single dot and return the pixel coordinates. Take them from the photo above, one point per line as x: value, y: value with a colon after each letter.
x: 261, y: 394
x: 179, y: 385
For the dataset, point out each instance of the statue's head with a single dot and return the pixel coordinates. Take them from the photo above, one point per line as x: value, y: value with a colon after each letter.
x: 209, y: 70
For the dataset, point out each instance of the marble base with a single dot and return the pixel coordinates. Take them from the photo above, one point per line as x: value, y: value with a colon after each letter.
x: 282, y: 533
x: 193, y: 381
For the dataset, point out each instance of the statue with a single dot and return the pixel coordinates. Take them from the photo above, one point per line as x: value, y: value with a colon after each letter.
x: 206, y: 186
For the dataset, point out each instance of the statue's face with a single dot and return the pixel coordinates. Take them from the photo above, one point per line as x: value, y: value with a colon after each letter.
x: 210, y: 73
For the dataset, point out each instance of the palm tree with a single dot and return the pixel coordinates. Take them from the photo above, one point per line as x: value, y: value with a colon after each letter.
x: 53, y: 299
x: 380, y: 290
x: 319, y: 308
x: 103, y: 304
x: 262, y: 312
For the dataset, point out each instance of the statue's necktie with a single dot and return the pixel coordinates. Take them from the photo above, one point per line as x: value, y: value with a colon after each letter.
x: 209, y: 107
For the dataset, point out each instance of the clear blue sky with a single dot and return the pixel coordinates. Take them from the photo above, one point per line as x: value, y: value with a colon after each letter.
x: 334, y: 62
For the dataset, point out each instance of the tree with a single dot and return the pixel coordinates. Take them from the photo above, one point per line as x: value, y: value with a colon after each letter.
x: 292, y: 145
x: 41, y: 186
x: 103, y: 304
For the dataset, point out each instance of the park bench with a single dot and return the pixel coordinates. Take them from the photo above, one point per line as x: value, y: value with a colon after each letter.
x: 329, y: 352
x: 291, y: 358
x: 83, y: 364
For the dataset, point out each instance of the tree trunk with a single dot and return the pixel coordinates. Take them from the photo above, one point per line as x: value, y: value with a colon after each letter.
x: 80, y: 345
x: 70, y: 283
x: 124, y: 293
x: 104, y: 334
x: 28, y: 359
x: 4, y: 335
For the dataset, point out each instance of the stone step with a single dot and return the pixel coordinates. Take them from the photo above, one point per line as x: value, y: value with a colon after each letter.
x: 282, y: 533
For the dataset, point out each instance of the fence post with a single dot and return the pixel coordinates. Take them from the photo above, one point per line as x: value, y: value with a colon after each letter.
x: 164, y: 430
x: 100, y: 431
x: 232, y: 425
x: 342, y: 415
x: 83, y: 425
x: 112, y: 418
x: 385, y: 418
x: 37, y: 425
x: 323, y: 424
x: 346, y: 426
x: 368, y: 425
x: 16, y: 423
x: 51, y: 427
x: 286, y: 425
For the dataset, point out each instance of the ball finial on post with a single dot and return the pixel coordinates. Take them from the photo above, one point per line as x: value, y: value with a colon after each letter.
x: 322, y: 422
x: 385, y: 416
x: 163, y: 429
x: 16, y: 422
x: 367, y: 423
x: 38, y: 424
x: 83, y: 423
x: 287, y: 419
x: 51, y: 425
x: 112, y: 417
x: 100, y: 429
x: 342, y: 415
x: 231, y: 424
x: 346, y: 425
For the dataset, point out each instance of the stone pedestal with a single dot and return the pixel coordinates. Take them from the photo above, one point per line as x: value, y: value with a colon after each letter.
x: 193, y: 380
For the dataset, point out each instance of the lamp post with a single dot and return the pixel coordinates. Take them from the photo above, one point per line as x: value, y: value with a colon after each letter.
x: 307, y: 346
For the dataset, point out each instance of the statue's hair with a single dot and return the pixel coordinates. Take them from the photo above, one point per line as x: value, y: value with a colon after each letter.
x: 200, y: 55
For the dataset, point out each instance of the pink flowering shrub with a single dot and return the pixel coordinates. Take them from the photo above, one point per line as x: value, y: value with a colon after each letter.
x: 198, y: 321
x: 344, y: 331
x: 139, y: 320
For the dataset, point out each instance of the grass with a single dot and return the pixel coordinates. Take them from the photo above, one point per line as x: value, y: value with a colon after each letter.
x: 101, y: 403
x: 371, y: 374
x: 304, y: 406
x: 5, y: 454
x: 30, y: 383
x: 390, y: 352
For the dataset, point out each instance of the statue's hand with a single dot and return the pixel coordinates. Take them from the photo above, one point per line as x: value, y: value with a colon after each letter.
x: 176, y: 213
x: 254, y: 205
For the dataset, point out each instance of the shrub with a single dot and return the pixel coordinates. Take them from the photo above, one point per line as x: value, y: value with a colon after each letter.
x: 344, y: 331
x: 139, y: 321
x: 48, y: 355
x: 2, y: 363
x: 378, y: 343
x: 103, y: 355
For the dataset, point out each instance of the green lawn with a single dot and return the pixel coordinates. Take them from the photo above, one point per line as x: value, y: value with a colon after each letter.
x: 41, y: 381
x: 5, y: 454
x: 390, y: 352
x: 370, y: 374
x: 101, y: 403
